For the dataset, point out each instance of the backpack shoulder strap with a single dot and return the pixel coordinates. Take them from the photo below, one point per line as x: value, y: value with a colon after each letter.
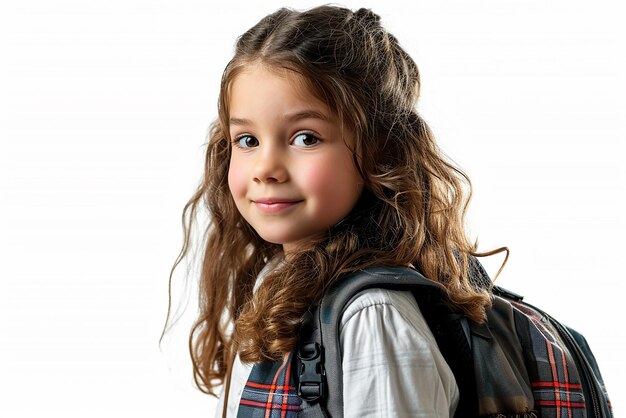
x: 319, y: 346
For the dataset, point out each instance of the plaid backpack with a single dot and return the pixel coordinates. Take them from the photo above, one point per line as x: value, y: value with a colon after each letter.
x: 520, y: 363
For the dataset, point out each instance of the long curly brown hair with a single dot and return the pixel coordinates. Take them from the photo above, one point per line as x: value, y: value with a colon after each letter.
x: 411, y: 211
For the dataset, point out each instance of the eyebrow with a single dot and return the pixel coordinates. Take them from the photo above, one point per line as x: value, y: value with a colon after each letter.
x: 291, y: 117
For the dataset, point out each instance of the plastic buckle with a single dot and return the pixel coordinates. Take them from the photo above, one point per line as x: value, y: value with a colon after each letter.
x: 312, y: 384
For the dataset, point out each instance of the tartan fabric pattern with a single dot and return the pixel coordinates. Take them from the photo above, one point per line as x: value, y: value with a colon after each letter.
x: 554, y: 379
x: 270, y: 391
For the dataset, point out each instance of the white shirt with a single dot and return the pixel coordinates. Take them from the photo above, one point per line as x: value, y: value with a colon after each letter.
x: 391, y: 364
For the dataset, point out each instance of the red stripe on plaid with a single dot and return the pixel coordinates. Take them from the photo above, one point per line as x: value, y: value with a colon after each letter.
x: 263, y: 405
x: 560, y: 403
x: 273, y: 387
x: 266, y: 386
x: 555, y: 375
x: 269, y: 403
x: 566, y: 376
x: 287, y: 374
x: 557, y: 385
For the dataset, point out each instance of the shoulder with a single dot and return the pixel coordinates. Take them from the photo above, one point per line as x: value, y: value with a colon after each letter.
x: 388, y: 323
x: 385, y: 314
x: 368, y: 298
x: 390, y: 360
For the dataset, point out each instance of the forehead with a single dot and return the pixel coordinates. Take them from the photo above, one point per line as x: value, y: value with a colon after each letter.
x: 259, y: 85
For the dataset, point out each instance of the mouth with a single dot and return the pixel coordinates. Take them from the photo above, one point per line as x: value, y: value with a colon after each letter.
x: 274, y: 205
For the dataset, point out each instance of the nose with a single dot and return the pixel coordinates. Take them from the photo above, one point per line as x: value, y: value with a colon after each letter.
x: 270, y: 165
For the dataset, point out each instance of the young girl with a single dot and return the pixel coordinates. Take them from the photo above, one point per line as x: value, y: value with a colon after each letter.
x: 320, y: 165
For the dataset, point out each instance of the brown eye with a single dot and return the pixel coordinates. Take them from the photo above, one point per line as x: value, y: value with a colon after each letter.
x: 305, y: 140
x: 247, y: 141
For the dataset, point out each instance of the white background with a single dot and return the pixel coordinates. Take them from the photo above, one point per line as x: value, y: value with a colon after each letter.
x: 104, y: 107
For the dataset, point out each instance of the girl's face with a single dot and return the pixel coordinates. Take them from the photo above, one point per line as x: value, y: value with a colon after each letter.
x: 291, y: 172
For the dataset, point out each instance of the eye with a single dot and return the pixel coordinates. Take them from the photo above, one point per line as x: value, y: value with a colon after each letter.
x: 305, y: 140
x: 246, y: 141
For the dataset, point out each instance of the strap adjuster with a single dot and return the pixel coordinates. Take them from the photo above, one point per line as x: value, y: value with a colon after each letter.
x: 312, y: 383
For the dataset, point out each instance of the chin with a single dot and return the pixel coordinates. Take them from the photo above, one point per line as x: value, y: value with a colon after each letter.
x: 282, y: 239
x: 275, y: 239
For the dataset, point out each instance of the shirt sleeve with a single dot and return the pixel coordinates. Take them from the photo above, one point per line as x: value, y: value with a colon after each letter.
x: 391, y: 364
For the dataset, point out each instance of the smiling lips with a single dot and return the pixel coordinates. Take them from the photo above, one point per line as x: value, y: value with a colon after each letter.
x: 274, y: 205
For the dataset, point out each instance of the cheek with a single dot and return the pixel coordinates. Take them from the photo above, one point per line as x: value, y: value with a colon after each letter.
x: 317, y: 179
x: 333, y: 179
x: 236, y: 182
